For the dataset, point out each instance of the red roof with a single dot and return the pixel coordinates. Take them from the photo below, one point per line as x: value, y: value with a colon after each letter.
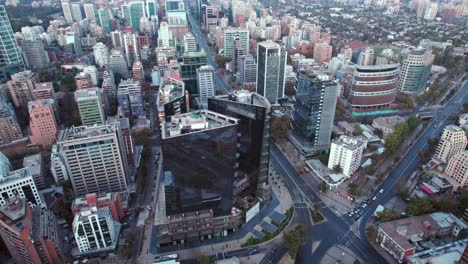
x: 427, y: 189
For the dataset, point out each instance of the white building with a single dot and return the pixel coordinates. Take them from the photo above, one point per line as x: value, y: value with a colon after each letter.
x: 190, y: 44
x: 117, y: 39
x: 118, y: 63
x: 366, y: 57
x: 346, y: 152
x: 92, y: 71
x: 230, y: 35
x: 247, y: 70
x: 165, y: 37
x: 19, y: 182
x: 67, y: 12
x: 95, y: 230
x: 101, y: 54
x: 94, y: 158
x: 205, y: 84
x: 452, y: 141
x: 57, y: 166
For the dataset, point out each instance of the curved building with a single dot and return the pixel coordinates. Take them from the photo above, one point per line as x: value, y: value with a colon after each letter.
x: 374, y: 87
x: 415, y: 70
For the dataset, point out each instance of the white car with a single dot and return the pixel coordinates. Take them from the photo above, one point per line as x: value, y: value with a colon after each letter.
x: 381, y: 191
x: 364, y: 205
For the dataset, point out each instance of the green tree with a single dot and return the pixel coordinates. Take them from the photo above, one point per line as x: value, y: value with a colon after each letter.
x: 371, y: 234
x: 419, y: 206
x: 413, y: 123
x: 388, y: 215
x: 294, y: 239
x: 323, y: 187
x: 445, y: 205
x: 357, y: 130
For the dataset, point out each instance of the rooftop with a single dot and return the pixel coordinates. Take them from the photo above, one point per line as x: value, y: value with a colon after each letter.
x: 194, y: 122
x: 85, y: 93
x: 351, y: 143
x: 449, y: 253
x: 246, y: 97
x: 79, y: 132
x: 16, y: 174
x: 40, y: 103
x: 389, y: 121
x: 453, y: 129
x: 15, y: 209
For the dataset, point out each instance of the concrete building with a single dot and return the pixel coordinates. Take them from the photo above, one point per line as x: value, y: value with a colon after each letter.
x: 118, y: 63
x: 165, y: 37
x: 322, y: 52
x: 9, y: 127
x: 247, y: 70
x: 30, y: 234
x: 111, y: 200
x: 138, y: 72
x: 67, y: 12
x: 346, y: 152
x: 366, y: 57
x: 101, y: 54
x: 124, y: 125
x: 90, y: 105
x: 190, y: 44
x: 109, y: 91
x: 271, y: 65
x: 34, y: 54
x: 131, y: 48
x: 105, y: 18
x: 374, y: 88
x: 314, y: 111
x: 452, y: 141
x: 57, y: 165
x: 37, y: 167
x: 130, y: 98
x: 387, y: 123
x: 457, y: 170
x: 415, y: 70
x: 400, y: 238
x: 77, y: 148
x: 21, y: 86
x: 83, y: 81
x: 95, y: 232
x: 76, y: 11
x: 11, y: 60
x: 205, y: 81
x: 172, y: 98
x: 42, y: 122
x: 92, y: 71
x: 43, y: 90
x: 447, y: 253
x: 254, y: 113
x: 20, y: 183
x: 117, y: 39
x: 230, y: 35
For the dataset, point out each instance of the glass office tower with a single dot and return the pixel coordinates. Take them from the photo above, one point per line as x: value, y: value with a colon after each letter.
x: 11, y: 60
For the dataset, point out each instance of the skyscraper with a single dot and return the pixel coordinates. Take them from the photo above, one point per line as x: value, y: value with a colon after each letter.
x: 366, y: 57
x: 76, y: 11
x: 457, y: 170
x: 9, y: 127
x: 205, y: 82
x: 253, y: 112
x: 93, y: 158
x: 91, y: 12
x: 190, y: 45
x: 42, y: 122
x: 415, y: 70
x: 165, y: 38
x: 271, y: 64
x: 105, y: 19
x: 118, y: 63
x: 19, y: 183
x: 109, y: 91
x: 314, y: 111
x: 11, y: 60
x: 130, y: 98
x: 101, y: 54
x: 247, y: 70
x: 232, y: 34
x: 21, y: 86
x: 34, y: 54
x: 67, y: 12
x: 374, y: 87
x: 323, y: 52
x: 131, y: 48
x: 452, y: 141
x: 117, y: 39
x: 136, y: 11
x: 172, y: 98
x: 151, y: 8
x: 90, y: 106
x: 31, y: 234
x: 138, y: 72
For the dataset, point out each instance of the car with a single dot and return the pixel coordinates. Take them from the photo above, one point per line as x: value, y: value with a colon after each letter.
x: 356, y: 217
x: 381, y: 191
x: 374, y: 198
x: 364, y: 205
x: 350, y: 214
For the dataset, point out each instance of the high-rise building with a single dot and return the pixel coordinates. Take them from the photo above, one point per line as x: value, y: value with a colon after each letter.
x: 113, y: 201
x: 415, y: 70
x: 177, y: 18
x: 34, y: 54
x: 205, y: 80
x: 191, y: 61
x: 366, y: 57
x: 91, y: 12
x: 90, y: 105
x: 83, y: 81
x: 452, y: 141
x: 42, y: 122
x: 118, y: 63
x: 206, y: 143
x: 190, y: 44
x: 73, y: 40
x: 172, y: 98
x: 314, y: 110
x: 93, y: 73
x: 57, y: 165
x: 77, y: 149
x: 101, y: 54
x: 138, y: 72
x: 230, y: 37
x: 374, y: 87
x: 253, y: 112
x: 247, y: 70
x: 76, y: 11
x: 124, y: 126
x: 21, y: 86
x: 43, y: 90
x: 346, y: 152
x: 11, y: 60
x: 109, y: 91
x: 131, y: 48
x: 322, y: 52
x: 105, y: 19
x: 9, y: 127
x: 165, y: 38
x: 136, y: 10
x: 67, y: 11
x: 5, y: 165
x: 457, y: 170
x: 95, y: 231
x: 130, y: 98
x: 37, y: 167
x: 117, y: 39
x: 151, y: 8
x: 271, y: 64
x: 19, y: 183
x: 31, y: 234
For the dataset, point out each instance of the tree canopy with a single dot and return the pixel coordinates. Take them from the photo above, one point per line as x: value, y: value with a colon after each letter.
x: 294, y: 239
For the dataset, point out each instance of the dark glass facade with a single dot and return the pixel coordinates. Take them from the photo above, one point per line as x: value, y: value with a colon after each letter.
x: 176, y: 106
x: 254, y: 128
x: 199, y: 170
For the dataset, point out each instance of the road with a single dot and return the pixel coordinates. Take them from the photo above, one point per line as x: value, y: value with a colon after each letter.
x: 220, y: 82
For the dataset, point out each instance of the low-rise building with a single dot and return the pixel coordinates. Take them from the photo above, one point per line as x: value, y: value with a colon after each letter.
x: 387, y: 123
x: 402, y: 237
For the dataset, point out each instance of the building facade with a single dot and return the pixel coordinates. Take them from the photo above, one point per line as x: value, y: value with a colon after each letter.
x: 90, y: 105
x: 457, y: 170
x: 271, y: 66
x: 130, y: 98
x: 9, y: 127
x: 452, y: 141
x: 205, y: 81
x: 415, y: 70
x: 346, y: 152
x: 42, y: 122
